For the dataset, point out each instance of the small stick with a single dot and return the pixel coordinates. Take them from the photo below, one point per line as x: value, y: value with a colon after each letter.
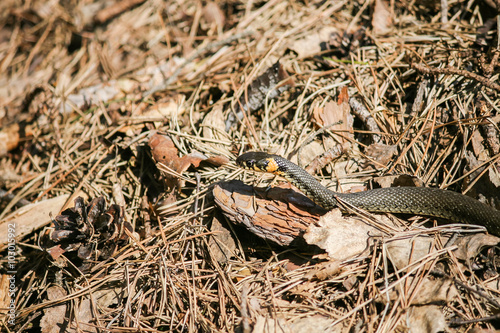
x: 444, y: 13
x: 366, y: 117
x: 454, y: 71
x: 4, y: 195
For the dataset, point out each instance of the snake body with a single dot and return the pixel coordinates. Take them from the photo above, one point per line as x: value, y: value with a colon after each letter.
x: 424, y: 201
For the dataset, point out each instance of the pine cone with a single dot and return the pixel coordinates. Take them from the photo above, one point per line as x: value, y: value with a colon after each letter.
x: 92, y: 231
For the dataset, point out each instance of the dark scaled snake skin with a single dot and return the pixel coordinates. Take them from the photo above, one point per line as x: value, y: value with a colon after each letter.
x: 424, y: 201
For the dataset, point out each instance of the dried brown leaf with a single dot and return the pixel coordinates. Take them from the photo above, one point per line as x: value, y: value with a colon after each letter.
x: 401, y: 180
x: 435, y: 291
x: 324, y: 271
x: 311, y: 43
x: 9, y: 138
x: 56, y: 252
x: 341, y: 237
x: 85, y: 317
x: 469, y: 246
x: 427, y: 291
x: 381, y: 152
x: 494, y: 175
x: 339, y: 112
x: 304, y: 289
x: 214, y: 128
x: 480, y: 152
x: 426, y: 319
x: 109, y: 296
x: 382, y: 21
x: 53, y: 320
x: 160, y: 111
x: 405, y: 251
x: 164, y: 152
x: 350, y: 282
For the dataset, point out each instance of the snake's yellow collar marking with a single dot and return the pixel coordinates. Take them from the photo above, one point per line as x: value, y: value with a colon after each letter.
x: 271, y: 166
x: 261, y: 162
x: 258, y: 161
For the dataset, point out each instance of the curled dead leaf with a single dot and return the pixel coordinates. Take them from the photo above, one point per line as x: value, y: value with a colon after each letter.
x: 162, y: 148
x: 213, y: 125
x: 337, y: 114
x: 469, y: 246
x: 167, y: 156
x: 312, y: 42
x: 341, y: 237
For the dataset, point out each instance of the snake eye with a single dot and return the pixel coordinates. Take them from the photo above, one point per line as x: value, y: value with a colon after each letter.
x: 249, y: 164
x: 261, y: 165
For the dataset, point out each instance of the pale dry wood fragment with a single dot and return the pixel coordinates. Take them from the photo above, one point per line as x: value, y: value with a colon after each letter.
x: 30, y: 217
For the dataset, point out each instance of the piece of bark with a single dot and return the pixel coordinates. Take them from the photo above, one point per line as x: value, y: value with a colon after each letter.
x: 490, y: 129
x: 278, y: 214
x: 54, y: 319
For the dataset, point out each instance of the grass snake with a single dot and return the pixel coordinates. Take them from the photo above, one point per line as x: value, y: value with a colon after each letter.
x: 424, y: 201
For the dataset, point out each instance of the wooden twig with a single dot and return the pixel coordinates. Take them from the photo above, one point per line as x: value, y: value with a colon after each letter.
x: 366, y: 117
x: 455, y: 71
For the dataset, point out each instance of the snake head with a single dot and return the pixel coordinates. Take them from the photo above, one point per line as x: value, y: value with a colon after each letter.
x: 257, y: 161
